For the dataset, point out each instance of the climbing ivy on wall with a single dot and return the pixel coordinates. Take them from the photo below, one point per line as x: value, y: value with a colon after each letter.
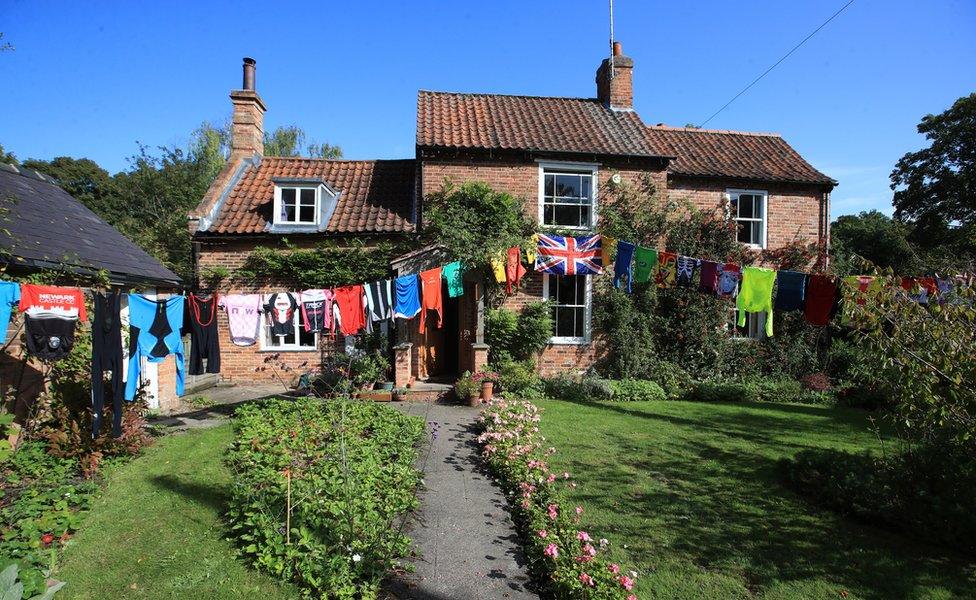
x: 328, y: 264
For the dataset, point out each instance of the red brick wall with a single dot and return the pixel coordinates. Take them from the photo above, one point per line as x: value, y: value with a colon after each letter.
x: 242, y: 364
x: 521, y: 179
x: 794, y: 212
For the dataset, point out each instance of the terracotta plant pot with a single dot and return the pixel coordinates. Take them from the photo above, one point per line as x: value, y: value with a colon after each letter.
x: 473, y: 400
x: 487, y: 389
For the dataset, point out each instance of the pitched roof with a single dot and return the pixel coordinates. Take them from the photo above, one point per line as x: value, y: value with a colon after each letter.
x: 375, y: 196
x: 721, y: 153
x: 495, y: 121
x: 45, y: 227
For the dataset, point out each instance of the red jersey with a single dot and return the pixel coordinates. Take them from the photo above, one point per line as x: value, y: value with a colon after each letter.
x: 49, y: 298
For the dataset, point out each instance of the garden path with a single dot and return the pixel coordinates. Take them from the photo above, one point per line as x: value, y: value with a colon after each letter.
x: 463, y: 533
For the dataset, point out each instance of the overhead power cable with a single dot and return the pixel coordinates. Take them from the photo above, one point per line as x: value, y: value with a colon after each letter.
x: 776, y: 64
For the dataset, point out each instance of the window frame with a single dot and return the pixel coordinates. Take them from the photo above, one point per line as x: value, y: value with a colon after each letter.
x: 265, y: 337
x: 279, y: 187
x: 569, y: 168
x: 587, y: 312
x: 763, y: 222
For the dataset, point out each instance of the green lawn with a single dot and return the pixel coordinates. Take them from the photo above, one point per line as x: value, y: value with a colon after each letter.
x: 156, y: 531
x: 688, y: 494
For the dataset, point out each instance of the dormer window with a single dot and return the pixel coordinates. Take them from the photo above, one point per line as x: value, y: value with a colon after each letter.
x: 297, y: 205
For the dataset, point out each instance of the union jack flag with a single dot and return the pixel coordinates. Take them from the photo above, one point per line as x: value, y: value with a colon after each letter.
x: 559, y: 255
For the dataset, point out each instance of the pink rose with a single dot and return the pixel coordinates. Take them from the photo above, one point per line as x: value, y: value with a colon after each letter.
x: 543, y: 533
x: 551, y: 551
x: 579, y: 510
x: 553, y: 511
x: 632, y: 597
x: 586, y: 579
x: 583, y: 536
x: 614, y: 568
x: 627, y: 582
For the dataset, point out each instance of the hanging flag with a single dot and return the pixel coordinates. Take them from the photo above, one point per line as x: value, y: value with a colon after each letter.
x: 623, y: 265
x: 645, y: 264
x: 608, y: 245
x: 498, y: 268
x: 514, y: 271
x: 530, y: 250
x: 559, y: 255
x: 667, y: 265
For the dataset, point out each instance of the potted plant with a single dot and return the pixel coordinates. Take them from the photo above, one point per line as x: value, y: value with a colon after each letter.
x: 467, y: 389
x: 399, y: 394
x: 486, y: 381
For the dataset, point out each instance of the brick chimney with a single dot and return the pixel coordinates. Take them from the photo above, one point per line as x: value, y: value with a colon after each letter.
x: 247, y: 129
x: 616, y: 90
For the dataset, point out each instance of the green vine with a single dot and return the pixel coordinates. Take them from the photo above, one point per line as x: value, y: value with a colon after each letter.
x: 326, y: 265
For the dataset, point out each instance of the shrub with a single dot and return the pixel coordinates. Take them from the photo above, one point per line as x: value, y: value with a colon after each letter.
x: 351, y: 471
x: 500, y: 325
x: 43, y: 499
x: 926, y: 494
x: 863, y: 396
x: 465, y: 386
x: 631, y: 390
x: 564, y: 558
x: 517, y: 336
x: 518, y: 378
x: 672, y: 378
x: 817, y: 382
x: 755, y: 389
x: 577, y: 389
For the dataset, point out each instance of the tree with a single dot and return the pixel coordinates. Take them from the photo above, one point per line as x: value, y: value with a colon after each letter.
x: 7, y: 157
x: 935, y: 188
x: 84, y: 180
x: 876, y: 237
x: 292, y: 141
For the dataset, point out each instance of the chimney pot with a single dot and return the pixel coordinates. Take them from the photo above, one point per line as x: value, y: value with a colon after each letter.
x: 614, y: 80
x: 249, y: 64
x: 618, y: 49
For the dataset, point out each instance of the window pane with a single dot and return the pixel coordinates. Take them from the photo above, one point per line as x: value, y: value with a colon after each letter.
x: 746, y: 207
x: 744, y: 232
x: 567, y: 289
x: 565, y: 322
x: 287, y: 204
x: 308, y: 197
x: 306, y: 338
x: 550, y: 185
x: 568, y: 216
x: 580, y: 316
x: 552, y: 283
x: 584, y: 216
x: 587, y: 181
x: 568, y: 185
x: 548, y: 213
x: 306, y: 214
x: 758, y: 210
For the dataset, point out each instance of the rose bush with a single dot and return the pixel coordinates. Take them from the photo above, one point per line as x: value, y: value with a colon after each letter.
x: 562, y: 554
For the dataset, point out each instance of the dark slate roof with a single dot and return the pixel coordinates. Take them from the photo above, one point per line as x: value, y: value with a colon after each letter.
x: 45, y: 227
x: 722, y: 153
x: 375, y: 196
x: 532, y: 123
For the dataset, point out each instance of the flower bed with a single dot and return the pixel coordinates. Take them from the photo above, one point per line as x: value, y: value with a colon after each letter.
x: 345, y: 470
x: 562, y: 555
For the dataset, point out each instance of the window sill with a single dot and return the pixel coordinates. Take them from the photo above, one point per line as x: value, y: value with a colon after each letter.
x: 569, y: 341
x: 287, y: 349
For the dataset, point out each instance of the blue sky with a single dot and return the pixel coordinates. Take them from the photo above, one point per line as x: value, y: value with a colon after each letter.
x: 91, y: 79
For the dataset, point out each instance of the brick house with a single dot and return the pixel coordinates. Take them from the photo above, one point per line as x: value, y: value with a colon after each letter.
x: 551, y: 152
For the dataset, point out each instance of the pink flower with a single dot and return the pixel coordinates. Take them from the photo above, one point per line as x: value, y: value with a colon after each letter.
x: 614, y: 568
x: 590, y: 550
x: 579, y: 510
x: 632, y: 597
x: 583, y: 536
x: 586, y: 579
x: 551, y: 551
x: 543, y: 533
x: 551, y: 478
x: 553, y: 511
x: 627, y: 582
x: 565, y: 475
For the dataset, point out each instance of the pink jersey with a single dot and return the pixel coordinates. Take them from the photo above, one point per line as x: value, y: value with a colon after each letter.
x: 243, y: 314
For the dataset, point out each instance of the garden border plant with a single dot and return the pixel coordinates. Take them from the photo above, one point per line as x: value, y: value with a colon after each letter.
x: 318, y: 487
x: 564, y: 558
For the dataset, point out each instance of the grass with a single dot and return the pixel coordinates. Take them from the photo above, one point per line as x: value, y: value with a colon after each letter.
x: 689, y: 495
x: 156, y: 530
